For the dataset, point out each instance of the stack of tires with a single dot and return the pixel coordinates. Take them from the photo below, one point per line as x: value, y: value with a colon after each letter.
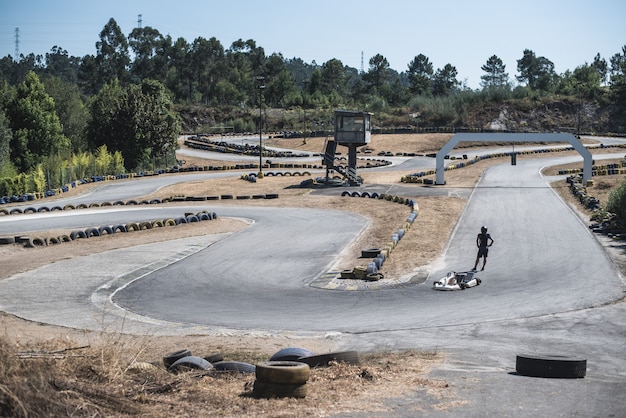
x: 281, y: 379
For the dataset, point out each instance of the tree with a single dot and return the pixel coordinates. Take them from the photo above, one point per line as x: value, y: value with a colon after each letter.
x: 537, y: 72
x: 37, y: 131
x: 70, y: 109
x: 60, y: 64
x: 445, y: 80
x: 333, y: 77
x: 150, y: 49
x: 112, y: 59
x: 5, y: 150
x: 420, y: 75
x: 279, y: 82
x: 599, y: 64
x: 378, y: 73
x: 137, y: 121
x: 495, y: 73
x: 208, y: 61
x: 617, y: 86
x: 180, y: 74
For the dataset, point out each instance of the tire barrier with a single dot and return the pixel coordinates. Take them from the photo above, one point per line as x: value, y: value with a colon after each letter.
x: 171, y: 358
x: 7, y: 240
x: 120, y: 228
x: 189, y: 363
x: 281, y: 379
x: 324, y: 360
x: 132, y: 226
x: 36, y: 242
x: 551, y: 366
x: 290, y: 354
x: 74, y: 235
x: 33, y: 242
x: 92, y: 232
x: 234, y: 366
x: 105, y: 230
x: 370, y: 272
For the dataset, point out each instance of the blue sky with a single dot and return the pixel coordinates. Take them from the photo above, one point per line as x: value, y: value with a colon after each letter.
x: 462, y: 33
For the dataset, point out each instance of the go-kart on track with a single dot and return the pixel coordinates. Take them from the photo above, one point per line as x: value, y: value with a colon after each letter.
x: 544, y: 274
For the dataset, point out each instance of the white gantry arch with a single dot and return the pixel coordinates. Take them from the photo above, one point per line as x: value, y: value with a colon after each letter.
x: 513, y: 137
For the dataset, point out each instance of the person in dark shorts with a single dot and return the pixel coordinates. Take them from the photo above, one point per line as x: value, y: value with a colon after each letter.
x: 483, y: 242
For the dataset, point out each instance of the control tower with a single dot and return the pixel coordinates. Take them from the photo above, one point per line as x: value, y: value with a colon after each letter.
x: 352, y: 130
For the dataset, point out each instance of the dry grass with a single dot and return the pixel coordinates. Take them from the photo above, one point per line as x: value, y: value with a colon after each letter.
x: 101, y: 379
x: 119, y: 379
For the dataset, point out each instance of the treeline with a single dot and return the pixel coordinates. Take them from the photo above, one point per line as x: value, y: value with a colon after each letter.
x: 123, y: 97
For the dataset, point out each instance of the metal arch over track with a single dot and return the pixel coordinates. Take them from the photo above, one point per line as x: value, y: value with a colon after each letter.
x: 513, y: 137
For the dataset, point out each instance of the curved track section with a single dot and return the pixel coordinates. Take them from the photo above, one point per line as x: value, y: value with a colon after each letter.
x: 545, y: 261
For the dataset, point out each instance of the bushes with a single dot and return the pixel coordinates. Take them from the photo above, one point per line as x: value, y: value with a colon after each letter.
x: 617, y: 203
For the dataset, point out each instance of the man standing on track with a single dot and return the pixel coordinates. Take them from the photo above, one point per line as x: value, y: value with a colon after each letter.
x: 483, y: 242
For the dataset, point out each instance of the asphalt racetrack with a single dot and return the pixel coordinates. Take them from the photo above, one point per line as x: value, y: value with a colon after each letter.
x: 548, y: 287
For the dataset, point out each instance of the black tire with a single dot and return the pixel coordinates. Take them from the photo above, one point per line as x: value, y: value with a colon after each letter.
x: 7, y: 240
x: 30, y: 209
x: 92, y: 232
x: 234, y: 366
x: 43, y: 209
x: 145, y: 225
x: 272, y: 390
x: 36, y: 242
x: 374, y: 277
x: 283, y: 372
x: 65, y: 238
x: 192, y: 218
x: 120, y: 228
x: 554, y: 366
x: 291, y: 354
x: 214, y: 358
x: 54, y: 240
x: 105, y: 230
x: 55, y: 208
x: 180, y: 220
x: 74, y: 235
x: 190, y: 362
x: 323, y: 360
x: 171, y: 358
x: 132, y: 226
x: 15, y: 211
x: 370, y: 252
